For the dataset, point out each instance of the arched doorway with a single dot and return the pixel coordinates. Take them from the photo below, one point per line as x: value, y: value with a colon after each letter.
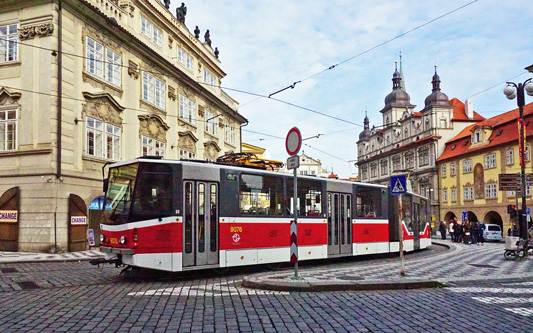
x: 9, y: 219
x: 471, y: 217
x: 449, y: 216
x: 493, y: 217
x: 77, y: 224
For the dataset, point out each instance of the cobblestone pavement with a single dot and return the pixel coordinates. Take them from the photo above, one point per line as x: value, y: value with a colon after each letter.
x: 74, y: 296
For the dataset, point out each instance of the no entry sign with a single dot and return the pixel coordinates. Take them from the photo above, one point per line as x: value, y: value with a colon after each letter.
x: 293, y: 143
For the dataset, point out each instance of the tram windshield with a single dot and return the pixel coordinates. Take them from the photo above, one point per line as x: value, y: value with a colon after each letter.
x: 119, y: 193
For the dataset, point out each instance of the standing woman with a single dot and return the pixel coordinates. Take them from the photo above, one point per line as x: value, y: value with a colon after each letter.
x: 452, y: 235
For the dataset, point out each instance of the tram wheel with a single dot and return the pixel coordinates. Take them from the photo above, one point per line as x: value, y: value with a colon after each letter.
x: 221, y: 270
x: 510, y: 254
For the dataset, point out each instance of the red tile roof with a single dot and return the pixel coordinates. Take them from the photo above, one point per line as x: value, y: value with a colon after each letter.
x: 459, y: 113
x: 504, y: 130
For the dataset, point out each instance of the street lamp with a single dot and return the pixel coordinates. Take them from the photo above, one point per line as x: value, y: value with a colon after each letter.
x: 511, y: 91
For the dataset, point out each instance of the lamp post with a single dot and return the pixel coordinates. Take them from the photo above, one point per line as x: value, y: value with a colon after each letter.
x: 511, y: 91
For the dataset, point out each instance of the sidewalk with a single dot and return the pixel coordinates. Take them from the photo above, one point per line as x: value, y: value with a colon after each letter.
x: 26, y: 257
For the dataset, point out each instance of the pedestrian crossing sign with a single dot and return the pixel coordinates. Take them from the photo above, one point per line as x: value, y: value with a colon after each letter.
x: 398, y: 184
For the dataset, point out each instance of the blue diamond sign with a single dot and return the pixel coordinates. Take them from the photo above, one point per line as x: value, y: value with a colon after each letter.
x: 398, y: 184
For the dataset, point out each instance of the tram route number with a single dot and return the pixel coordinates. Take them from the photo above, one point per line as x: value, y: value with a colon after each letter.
x: 235, y: 229
x: 113, y: 241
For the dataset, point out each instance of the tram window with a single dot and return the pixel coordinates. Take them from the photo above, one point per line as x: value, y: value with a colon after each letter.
x: 213, y: 219
x: 152, y: 196
x: 261, y: 195
x: 368, y: 201
x: 309, y: 197
x: 423, y: 215
x: 407, y: 212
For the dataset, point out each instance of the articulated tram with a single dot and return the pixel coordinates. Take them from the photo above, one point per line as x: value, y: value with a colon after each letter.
x: 185, y: 215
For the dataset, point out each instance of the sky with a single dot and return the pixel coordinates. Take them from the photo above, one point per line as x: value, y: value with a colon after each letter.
x: 266, y: 46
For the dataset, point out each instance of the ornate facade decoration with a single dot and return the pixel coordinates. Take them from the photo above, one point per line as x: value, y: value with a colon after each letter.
x: 171, y: 93
x: 187, y: 141
x: 170, y: 41
x: 40, y: 30
x: 127, y: 6
x: 103, y: 107
x: 211, y: 150
x: 154, y: 127
x: 201, y: 111
x: 100, y: 35
x: 133, y: 70
x: 8, y: 98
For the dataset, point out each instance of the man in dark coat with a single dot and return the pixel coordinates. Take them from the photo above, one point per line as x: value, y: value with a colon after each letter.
x: 442, y: 229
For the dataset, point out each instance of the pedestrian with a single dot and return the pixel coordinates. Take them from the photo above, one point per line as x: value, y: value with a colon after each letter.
x: 466, y: 230
x: 515, y: 232
x: 442, y: 229
x: 474, y: 232
x: 481, y: 232
x: 451, y: 226
x: 458, y: 229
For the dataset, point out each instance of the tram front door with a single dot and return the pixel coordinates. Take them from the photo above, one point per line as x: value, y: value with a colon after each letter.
x: 200, y: 225
x: 339, y: 223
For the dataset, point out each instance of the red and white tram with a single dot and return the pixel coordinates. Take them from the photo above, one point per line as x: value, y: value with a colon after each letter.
x: 183, y: 215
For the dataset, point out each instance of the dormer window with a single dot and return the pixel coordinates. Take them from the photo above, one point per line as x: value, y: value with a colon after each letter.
x: 476, y: 136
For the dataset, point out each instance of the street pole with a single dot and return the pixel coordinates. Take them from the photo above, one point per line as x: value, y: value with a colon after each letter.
x: 400, y: 233
x: 294, y: 207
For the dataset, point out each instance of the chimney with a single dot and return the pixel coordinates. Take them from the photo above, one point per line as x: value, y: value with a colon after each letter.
x: 469, y: 109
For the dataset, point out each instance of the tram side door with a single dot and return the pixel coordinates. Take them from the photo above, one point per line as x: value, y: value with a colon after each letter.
x: 339, y: 223
x: 200, y: 225
x: 416, y: 226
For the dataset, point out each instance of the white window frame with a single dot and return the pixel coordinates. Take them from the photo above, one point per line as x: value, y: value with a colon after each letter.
x: 209, y: 78
x: 103, y: 62
x: 9, y: 43
x: 187, y: 110
x: 476, y: 136
x: 153, y: 90
x: 491, y: 191
x: 467, y: 166
x: 509, y: 156
x: 423, y: 157
x: 453, y: 194
x: 443, y: 123
x: 468, y: 193
x: 443, y: 170
x: 445, y: 195
x: 384, y: 165
x: 452, y: 169
x: 185, y: 59
x: 490, y: 161
x: 185, y: 154
x: 229, y: 135
x: 373, y: 171
x: 152, y: 147
x: 150, y: 31
x: 8, y: 130
x: 106, y: 139
x: 211, y: 125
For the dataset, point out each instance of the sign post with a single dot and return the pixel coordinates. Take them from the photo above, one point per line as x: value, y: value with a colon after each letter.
x: 293, y: 143
x: 398, y: 186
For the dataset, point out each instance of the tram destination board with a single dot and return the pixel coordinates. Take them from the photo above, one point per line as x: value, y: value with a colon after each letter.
x: 509, y: 181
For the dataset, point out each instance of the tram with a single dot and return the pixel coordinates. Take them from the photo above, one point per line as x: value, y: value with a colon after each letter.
x: 177, y: 215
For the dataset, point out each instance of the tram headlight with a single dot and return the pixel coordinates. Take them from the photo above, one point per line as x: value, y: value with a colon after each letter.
x: 102, y: 238
x: 122, y: 240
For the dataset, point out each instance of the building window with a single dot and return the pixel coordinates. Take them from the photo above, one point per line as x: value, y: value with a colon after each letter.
x: 364, y: 172
x: 8, y: 130
x: 153, y: 90
x: 152, y: 147
x: 509, y: 156
x: 373, y: 171
x: 443, y: 123
x: 511, y: 193
x: 187, y: 110
x: 491, y: 191
x: 211, y: 123
x: 469, y: 193
x: 397, y: 164
x: 96, y: 63
x: 443, y: 170
x: 467, y: 166
x: 384, y: 168
x: 185, y: 59
x: 229, y: 134
x: 187, y: 155
x: 150, y: 31
x: 445, y: 196
x: 452, y: 169
x: 9, y: 43
x: 476, y: 136
x: 423, y: 157
x: 453, y: 195
x: 103, y: 140
x: 490, y: 161
x: 210, y: 78
x: 409, y: 161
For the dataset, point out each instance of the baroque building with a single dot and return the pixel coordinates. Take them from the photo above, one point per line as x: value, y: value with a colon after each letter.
x: 87, y: 82
x: 409, y: 142
x: 471, y: 164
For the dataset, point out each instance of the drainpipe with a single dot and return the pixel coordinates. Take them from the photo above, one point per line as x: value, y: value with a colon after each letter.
x: 59, y: 107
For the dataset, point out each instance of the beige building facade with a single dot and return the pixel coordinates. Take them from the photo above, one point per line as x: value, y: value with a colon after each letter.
x: 89, y: 82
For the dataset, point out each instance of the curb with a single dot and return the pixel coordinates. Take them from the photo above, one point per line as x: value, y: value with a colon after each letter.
x: 302, y: 285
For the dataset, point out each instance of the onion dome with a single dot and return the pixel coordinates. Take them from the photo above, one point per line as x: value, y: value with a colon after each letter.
x: 436, y: 98
x: 397, y: 97
x: 365, y: 134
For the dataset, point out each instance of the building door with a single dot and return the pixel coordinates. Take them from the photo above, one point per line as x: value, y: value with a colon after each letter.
x: 9, y: 219
x: 339, y: 223
x: 77, y: 226
x: 200, y: 227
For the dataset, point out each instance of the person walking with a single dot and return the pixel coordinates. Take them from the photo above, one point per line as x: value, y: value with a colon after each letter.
x: 481, y: 231
x: 451, y: 226
x: 474, y: 232
x: 442, y: 229
x: 466, y: 232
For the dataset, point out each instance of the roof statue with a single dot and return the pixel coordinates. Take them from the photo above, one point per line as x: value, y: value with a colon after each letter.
x: 180, y: 13
x: 167, y: 4
x: 207, y: 38
x: 197, y: 33
x: 217, y: 52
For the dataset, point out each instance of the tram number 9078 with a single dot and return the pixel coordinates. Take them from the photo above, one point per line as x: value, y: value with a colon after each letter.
x: 235, y: 229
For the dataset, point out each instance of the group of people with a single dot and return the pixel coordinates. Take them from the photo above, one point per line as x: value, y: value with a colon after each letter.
x: 468, y: 232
